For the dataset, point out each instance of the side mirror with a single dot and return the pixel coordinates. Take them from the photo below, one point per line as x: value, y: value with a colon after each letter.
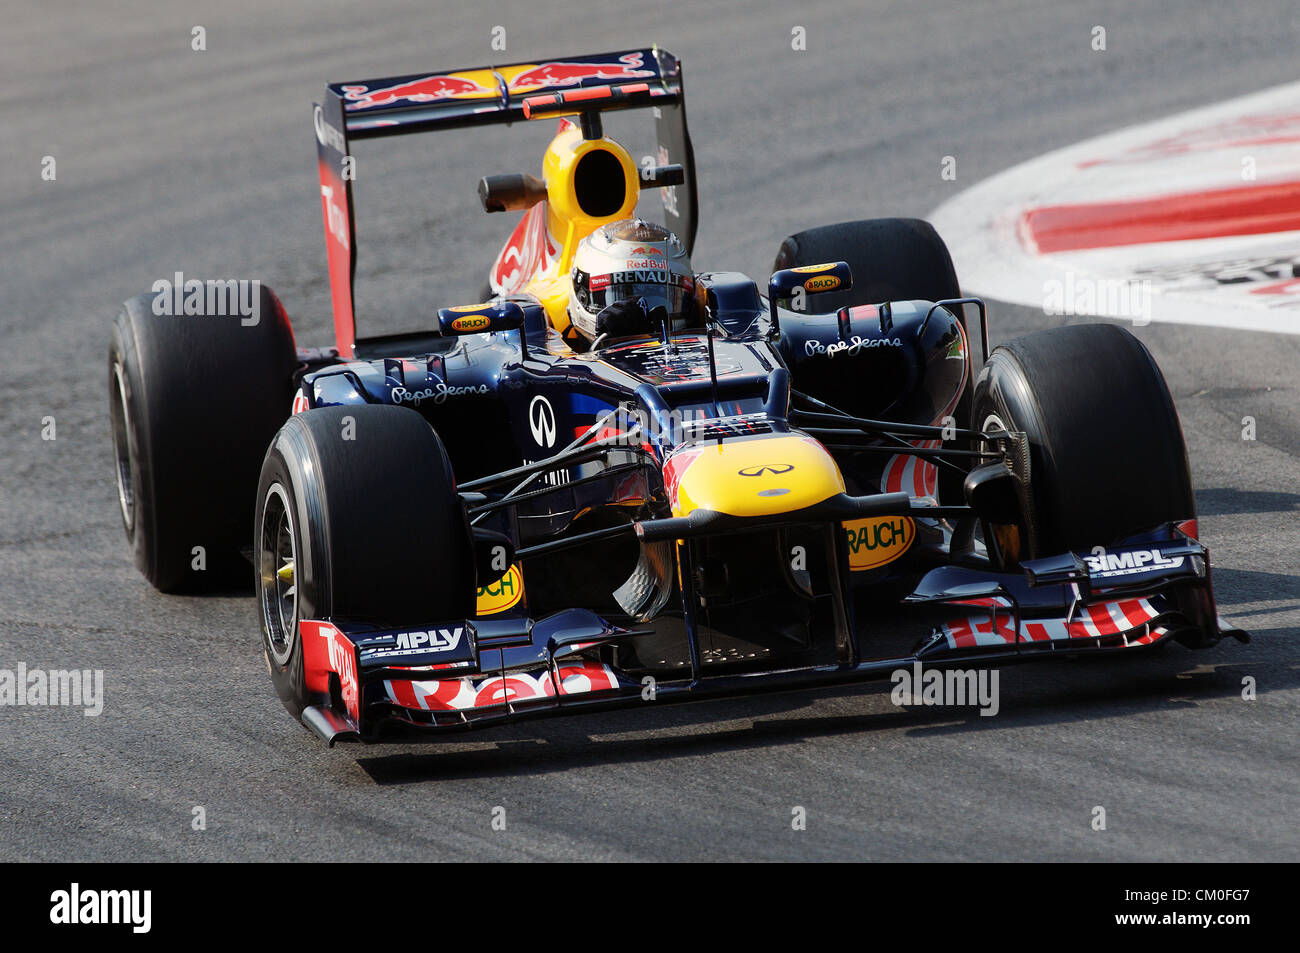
x: 813, y: 279
x: 663, y: 176
x: 478, y: 318
x: 510, y: 193
x: 481, y: 318
x: 806, y: 279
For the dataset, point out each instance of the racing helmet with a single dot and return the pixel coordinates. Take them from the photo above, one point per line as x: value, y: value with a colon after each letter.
x: 631, y: 260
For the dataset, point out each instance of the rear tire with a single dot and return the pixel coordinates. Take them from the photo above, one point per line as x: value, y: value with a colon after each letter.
x: 891, y: 259
x: 1107, y: 458
x: 362, y: 502
x: 193, y: 401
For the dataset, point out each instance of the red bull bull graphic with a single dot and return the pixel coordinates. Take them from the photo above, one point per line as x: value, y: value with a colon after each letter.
x: 560, y: 73
x: 428, y: 89
x: 524, y: 78
x: 530, y: 250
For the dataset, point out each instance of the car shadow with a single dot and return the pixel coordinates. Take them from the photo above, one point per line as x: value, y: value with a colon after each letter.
x: 1047, y: 693
x: 1228, y: 501
x: 1236, y: 586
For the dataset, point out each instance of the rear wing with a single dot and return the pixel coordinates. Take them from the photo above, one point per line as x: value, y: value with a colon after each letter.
x: 422, y: 102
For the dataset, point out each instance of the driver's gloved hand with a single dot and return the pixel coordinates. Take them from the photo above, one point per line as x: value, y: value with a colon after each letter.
x: 626, y: 318
x: 657, y: 318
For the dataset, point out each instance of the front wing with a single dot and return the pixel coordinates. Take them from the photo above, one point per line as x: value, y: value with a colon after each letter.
x: 476, y: 673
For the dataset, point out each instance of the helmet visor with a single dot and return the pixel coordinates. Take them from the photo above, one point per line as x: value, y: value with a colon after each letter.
x: 665, y: 288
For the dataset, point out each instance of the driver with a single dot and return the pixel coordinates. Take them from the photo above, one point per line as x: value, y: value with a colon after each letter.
x: 623, y: 274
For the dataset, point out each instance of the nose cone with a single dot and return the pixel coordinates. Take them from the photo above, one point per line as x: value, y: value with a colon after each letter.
x: 751, y: 476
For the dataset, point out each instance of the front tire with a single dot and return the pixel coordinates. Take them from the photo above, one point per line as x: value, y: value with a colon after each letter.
x: 1107, y: 458
x: 357, y: 520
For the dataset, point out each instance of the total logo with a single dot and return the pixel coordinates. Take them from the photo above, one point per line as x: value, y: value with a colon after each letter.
x: 1127, y: 564
x: 877, y: 541
x: 336, y: 219
x: 541, y: 421
x: 343, y: 660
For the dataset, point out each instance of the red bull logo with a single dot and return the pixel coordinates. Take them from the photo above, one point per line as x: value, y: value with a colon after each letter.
x: 430, y: 89
x: 642, y: 250
x: 628, y: 66
x: 529, y: 250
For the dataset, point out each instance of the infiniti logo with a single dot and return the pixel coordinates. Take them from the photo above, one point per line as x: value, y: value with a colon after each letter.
x: 541, y: 421
x: 773, y: 468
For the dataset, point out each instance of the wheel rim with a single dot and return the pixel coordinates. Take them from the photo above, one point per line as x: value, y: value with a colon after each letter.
x: 1007, y: 534
x: 122, y: 449
x: 277, y: 563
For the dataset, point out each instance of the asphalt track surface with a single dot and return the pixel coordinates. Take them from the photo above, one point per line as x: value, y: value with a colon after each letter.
x: 172, y: 160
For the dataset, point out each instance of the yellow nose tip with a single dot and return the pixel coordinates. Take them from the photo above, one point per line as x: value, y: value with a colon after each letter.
x: 285, y: 572
x: 756, y: 476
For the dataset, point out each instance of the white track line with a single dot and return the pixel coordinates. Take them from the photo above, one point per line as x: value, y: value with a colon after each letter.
x: 1217, y: 280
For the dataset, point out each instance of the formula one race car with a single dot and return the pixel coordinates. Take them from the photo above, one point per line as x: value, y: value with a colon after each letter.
x: 620, y: 481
